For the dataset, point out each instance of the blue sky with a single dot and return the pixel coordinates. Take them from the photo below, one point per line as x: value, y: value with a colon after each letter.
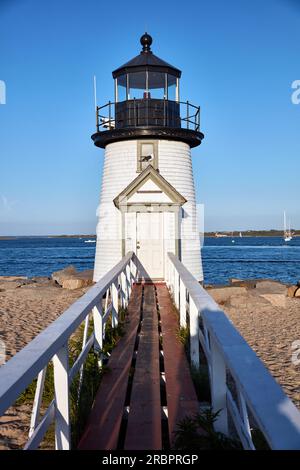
x: 239, y: 59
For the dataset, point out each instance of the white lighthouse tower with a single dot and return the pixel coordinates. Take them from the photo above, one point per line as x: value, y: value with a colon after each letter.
x: 147, y: 203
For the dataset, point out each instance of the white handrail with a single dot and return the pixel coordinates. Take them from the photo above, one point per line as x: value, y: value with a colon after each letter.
x: 227, y: 351
x: 51, y: 345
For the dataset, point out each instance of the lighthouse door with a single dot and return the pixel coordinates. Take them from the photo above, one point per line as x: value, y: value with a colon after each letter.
x: 149, y: 245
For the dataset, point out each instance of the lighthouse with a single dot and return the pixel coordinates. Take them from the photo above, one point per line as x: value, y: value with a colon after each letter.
x: 147, y: 200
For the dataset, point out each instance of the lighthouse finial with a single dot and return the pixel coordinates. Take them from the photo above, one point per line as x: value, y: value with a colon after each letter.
x: 146, y: 41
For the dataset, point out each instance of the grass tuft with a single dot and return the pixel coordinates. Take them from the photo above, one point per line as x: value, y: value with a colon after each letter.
x: 197, y: 433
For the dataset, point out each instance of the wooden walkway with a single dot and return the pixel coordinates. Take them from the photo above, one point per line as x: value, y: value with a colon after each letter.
x: 148, y: 388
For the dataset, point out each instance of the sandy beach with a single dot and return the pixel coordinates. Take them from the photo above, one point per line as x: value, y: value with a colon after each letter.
x: 267, y: 318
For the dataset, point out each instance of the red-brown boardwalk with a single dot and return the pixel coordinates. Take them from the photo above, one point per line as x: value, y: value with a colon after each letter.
x: 148, y: 388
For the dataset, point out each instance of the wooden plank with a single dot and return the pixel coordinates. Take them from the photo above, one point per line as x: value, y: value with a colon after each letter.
x: 181, y: 395
x: 102, y: 430
x: 144, y: 420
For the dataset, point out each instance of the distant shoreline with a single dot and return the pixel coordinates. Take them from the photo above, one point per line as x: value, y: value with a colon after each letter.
x: 15, y: 237
x: 221, y: 234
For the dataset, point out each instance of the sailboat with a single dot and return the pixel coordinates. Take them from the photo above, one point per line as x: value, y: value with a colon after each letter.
x: 287, y: 234
x: 241, y: 235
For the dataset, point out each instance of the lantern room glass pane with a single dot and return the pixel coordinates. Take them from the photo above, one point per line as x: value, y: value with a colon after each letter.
x: 171, y: 87
x: 157, y: 85
x: 121, y: 84
x: 137, y: 85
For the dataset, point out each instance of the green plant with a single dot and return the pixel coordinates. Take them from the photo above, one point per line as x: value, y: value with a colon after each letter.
x: 197, y: 433
x: 183, y: 334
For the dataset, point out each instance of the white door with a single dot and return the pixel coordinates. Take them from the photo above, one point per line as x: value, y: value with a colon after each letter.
x: 149, y: 244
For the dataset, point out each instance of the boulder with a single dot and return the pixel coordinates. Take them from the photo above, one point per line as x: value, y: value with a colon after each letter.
x: 66, y: 273
x: 249, y: 283
x: 13, y: 278
x: 223, y: 294
x: 270, y: 287
x: 278, y: 300
x: 297, y: 292
x: 70, y: 278
x: 291, y: 291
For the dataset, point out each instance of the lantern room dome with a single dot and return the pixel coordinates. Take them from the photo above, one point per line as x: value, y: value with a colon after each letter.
x: 146, y: 60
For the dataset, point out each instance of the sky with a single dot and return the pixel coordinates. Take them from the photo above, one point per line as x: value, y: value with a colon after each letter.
x: 239, y: 59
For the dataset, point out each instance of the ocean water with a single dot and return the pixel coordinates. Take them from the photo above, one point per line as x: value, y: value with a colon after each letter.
x: 246, y: 258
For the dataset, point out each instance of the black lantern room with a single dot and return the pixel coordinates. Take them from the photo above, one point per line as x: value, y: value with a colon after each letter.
x: 147, y: 103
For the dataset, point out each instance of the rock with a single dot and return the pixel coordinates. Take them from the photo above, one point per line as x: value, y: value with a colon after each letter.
x: 278, y: 300
x: 249, y: 283
x: 246, y: 301
x: 270, y: 287
x: 13, y: 278
x: 291, y: 291
x: 224, y: 294
x: 60, y: 276
x: 70, y: 278
x: 297, y: 292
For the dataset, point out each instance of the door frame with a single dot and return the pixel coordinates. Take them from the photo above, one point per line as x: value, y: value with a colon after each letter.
x: 162, y: 240
x: 153, y: 207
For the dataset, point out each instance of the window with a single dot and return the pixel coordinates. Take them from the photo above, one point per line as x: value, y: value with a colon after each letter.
x: 137, y: 85
x: 157, y: 85
x: 147, y: 154
x: 172, y: 84
x: 121, y: 85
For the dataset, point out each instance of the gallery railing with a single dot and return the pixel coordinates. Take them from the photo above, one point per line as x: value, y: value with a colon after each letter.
x: 147, y: 113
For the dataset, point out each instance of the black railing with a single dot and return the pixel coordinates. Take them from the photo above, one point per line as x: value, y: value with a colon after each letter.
x: 148, y: 113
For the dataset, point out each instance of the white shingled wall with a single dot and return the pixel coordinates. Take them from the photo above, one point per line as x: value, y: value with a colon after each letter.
x: 175, y: 165
x: 174, y: 161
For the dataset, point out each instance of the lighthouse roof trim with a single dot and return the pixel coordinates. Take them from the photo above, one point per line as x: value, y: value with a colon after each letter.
x: 146, y: 60
x: 149, y: 173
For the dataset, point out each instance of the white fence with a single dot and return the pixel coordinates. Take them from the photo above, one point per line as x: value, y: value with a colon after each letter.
x: 52, y: 345
x: 255, y: 390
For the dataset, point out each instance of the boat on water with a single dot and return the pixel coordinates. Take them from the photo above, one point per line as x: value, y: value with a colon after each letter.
x: 287, y: 233
x: 89, y: 241
x: 220, y: 235
x: 240, y: 235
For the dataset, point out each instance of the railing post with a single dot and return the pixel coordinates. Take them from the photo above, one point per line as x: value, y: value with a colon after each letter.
x: 128, y: 280
x: 98, y: 331
x: 187, y: 115
x: 194, y: 333
x: 134, y: 112
x: 244, y: 412
x: 133, y: 271
x: 167, y: 275
x: 109, y: 115
x: 182, y: 309
x: 35, y: 414
x: 97, y: 118
x: 115, y: 303
x: 218, y: 388
x: 124, y: 289
x: 176, y: 289
x: 61, y: 391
